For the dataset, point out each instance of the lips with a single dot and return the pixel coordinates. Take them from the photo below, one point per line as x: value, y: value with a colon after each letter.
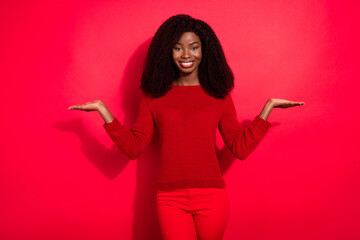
x: 186, y: 64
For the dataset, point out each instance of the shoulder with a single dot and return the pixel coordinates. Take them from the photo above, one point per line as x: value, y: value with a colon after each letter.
x: 147, y: 101
x: 228, y: 100
x: 228, y: 105
x: 146, y: 97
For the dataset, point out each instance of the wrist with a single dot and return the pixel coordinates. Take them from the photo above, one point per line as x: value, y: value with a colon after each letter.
x: 270, y: 104
x: 105, y: 113
x: 101, y: 107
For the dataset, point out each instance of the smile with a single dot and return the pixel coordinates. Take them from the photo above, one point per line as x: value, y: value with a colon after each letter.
x: 187, y: 64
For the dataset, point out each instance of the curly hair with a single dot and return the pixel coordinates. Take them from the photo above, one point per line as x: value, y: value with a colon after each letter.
x: 215, y: 75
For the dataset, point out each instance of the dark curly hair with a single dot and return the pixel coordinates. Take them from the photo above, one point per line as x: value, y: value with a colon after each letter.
x: 215, y: 75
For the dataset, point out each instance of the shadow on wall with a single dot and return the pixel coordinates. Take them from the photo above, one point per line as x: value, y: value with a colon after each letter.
x: 112, y: 161
x: 109, y: 161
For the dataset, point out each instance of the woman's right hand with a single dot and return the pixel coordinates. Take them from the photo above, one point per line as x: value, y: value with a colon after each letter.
x: 96, y: 105
x: 89, y: 106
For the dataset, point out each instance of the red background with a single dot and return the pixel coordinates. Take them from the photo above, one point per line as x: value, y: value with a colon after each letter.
x: 61, y: 177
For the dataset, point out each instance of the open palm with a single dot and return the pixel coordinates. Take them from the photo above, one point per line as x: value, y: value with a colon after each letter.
x: 283, y: 103
x: 89, y: 106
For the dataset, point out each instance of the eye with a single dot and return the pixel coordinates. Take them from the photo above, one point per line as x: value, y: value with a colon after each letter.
x: 177, y: 49
x: 194, y: 48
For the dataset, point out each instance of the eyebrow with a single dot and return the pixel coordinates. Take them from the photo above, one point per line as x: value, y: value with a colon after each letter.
x: 190, y: 43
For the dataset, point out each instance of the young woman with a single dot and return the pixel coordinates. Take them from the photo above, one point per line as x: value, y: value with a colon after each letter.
x: 186, y: 87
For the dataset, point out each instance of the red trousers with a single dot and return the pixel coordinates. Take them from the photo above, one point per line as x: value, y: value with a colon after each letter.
x: 193, y: 213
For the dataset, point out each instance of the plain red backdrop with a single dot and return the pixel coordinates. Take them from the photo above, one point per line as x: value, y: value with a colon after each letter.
x: 61, y: 177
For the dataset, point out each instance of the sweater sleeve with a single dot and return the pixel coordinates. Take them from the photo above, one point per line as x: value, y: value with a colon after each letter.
x: 132, y: 142
x: 241, y: 141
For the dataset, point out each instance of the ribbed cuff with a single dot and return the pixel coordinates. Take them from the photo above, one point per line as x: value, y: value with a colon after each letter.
x: 114, y: 125
x: 261, y: 123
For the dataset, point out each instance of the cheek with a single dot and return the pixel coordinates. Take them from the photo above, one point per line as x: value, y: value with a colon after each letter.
x: 175, y: 55
x: 174, y: 58
x: 199, y: 55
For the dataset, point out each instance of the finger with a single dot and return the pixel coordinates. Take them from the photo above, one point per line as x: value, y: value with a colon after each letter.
x: 288, y: 105
x: 297, y: 104
x: 300, y: 103
x: 72, y: 107
x: 75, y: 107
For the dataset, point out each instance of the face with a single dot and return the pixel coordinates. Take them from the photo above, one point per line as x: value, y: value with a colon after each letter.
x: 187, y: 53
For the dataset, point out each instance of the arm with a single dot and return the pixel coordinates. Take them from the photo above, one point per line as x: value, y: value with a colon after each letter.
x: 266, y: 110
x: 105, y: 113
x: 132, y: 142
x: 242, y: 141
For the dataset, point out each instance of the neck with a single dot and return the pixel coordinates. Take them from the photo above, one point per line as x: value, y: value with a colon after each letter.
x: 187, y: 79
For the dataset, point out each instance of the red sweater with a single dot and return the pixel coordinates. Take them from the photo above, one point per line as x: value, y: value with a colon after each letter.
x: 186, y: 119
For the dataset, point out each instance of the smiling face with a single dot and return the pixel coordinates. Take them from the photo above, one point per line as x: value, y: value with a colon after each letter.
x: 187, y: 54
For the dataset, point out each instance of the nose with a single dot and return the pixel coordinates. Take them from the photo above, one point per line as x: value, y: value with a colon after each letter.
x: 186, y: 53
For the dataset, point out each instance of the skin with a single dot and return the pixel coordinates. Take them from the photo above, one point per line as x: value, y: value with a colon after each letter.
x: 188, y: 48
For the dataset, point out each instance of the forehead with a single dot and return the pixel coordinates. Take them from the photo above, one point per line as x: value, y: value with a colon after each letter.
x: 188, y: 37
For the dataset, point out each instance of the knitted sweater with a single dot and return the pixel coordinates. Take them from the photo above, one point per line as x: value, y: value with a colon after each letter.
x: 186, y: 119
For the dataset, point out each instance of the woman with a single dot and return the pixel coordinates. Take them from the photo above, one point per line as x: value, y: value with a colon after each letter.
x: 186, y: 84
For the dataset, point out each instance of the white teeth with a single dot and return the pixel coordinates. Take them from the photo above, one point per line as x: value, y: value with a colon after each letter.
x: 186, y: 64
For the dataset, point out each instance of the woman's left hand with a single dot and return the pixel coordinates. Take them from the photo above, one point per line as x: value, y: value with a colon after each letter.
x: 277, y: 103
x: 283, y: 103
